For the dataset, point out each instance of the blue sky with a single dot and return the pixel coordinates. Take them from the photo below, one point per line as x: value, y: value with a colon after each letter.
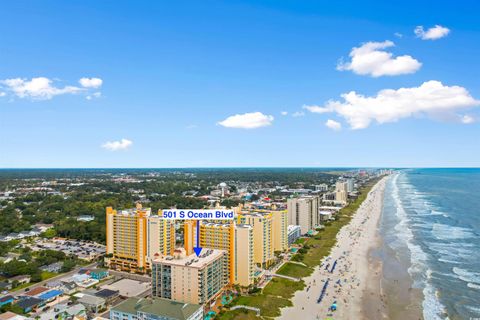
x: 167, y: 78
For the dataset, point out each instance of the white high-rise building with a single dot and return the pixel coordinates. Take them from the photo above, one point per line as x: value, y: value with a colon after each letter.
x: 350, y: 185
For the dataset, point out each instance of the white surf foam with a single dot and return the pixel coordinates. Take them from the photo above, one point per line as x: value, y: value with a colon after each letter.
x: 419, y: 270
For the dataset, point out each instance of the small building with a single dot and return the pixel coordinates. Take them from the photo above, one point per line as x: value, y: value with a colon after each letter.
x: 68, y: 287
x: 6, y: 300
x: 36, y: 291
x: 85, y: 218
x: 294, y: 232
x: 28, y: 304
x: 50, y: 295
x: 108, y: 295
x: 54, y: 267
x: 156, y: 308
x: 99, y: 274
x: 64, y: 311
x: 325, y: 215
x: 4, y: 286
x: 20, y: 279
x: 92, y: 303
x: 11, y: 316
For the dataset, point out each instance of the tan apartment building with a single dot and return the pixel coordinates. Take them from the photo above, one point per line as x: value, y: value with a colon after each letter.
x: 303, y: 211
x: 188, y: 278
x: 341, y: 192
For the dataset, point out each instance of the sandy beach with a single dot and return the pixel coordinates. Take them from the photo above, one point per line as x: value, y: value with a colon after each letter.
x: 350, y: 275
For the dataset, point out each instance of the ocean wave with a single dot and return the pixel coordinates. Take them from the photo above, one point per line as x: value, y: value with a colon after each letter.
x: 446, y: 232
x: 452, y: 251
x: 467, y: 276
x: 449, y: 261
x: 473, y: 286
x: 432, y: 308
x: 419, y: 269
x: 475, y: 310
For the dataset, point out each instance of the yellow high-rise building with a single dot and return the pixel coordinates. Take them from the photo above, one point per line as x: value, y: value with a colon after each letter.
x: 235, y: 240
x: 160, y: 236
x: 244, y: 269
x: 220, y: 236
x: 134, y: 236
x: 280, y: 230
x: 262, y: 224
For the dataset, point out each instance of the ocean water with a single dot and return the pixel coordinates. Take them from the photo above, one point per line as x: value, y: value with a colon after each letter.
x: 431, y: 218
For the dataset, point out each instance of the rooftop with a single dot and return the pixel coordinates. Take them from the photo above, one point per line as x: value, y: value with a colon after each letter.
x: 206, y: 257
x: 36, y: 291
x: 91, y: 300
x: 106, y: 293
x: 50, y: 294
x: 29, y: 302
x: 159, y: 307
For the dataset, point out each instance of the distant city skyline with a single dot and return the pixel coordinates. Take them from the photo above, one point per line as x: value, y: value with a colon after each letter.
x: 239, y: 84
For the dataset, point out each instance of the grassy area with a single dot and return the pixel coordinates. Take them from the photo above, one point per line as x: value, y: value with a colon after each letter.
x: 269, y: 305
x: 300, y: 240
x: 47, y: 275
x: 241, y: 314
x: 294, y: 270
x: 279, y: 287
x: 279, y: 291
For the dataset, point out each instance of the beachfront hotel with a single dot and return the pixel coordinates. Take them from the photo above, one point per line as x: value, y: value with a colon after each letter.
x: 235, y: 239
x: 244, y: 267
x: 189, y: 278
x: 341, y: 192
x: 303, y: 211
x: 270, y: 232
x: 133, y: 236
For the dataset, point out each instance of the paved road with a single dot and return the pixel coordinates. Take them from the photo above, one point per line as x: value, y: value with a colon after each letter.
x: 60, y: 276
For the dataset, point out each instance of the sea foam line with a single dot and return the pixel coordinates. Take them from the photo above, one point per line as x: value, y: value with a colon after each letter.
x: 432, y: 308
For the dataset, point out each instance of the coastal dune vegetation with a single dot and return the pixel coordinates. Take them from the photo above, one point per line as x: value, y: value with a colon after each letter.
x: 279, y: 291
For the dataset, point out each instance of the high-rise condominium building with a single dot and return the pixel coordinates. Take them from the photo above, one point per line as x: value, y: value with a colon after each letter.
x: 262, y: 224
x: 134, y: 236
x: 341, y: 192
x: 244, y: 268
x: 234, y: 239
x: 303, y: 212
x: 350, y: 185
x: 189, y: 279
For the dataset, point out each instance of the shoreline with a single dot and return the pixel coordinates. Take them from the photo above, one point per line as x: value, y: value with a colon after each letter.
x: 355, y: 284
x: 402, y: 299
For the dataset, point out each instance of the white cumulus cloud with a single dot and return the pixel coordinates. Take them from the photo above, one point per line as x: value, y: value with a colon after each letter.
x: 372, y: 59
x: 39, y: 88
x: 93, y: 95
x: 432, y: 98
x: 467, y: 119
x: 334, y: 125
x: 94, y: 83
x: 433, y: 33
x: 316, y: 109
x: 284, y: 113
x: 298, y: 114
x: 122, y: 144
x: 250, y: 120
